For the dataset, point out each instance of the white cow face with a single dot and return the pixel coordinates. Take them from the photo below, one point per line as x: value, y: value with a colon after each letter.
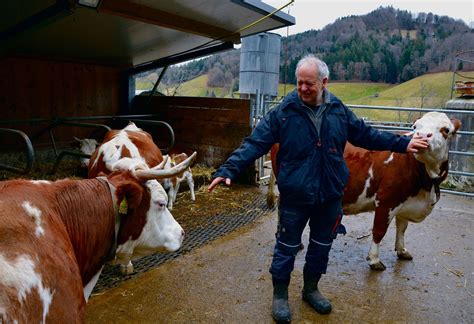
x: 86, y: 146
x: 437, y: 128
x: 160, y: 232
x: 161, y: 224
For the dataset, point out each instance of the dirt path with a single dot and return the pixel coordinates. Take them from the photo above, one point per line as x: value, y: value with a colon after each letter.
x: 227, y: 280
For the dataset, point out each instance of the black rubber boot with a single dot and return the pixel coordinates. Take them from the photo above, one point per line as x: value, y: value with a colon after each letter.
x: 280, y: 308
x: 312, y: 296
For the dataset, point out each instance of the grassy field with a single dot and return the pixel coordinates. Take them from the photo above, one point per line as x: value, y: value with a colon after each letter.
x: 349, y: 92
x: 427, y: 91
x: 197, y: 88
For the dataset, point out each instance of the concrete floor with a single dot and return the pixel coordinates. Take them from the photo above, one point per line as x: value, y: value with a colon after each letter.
x: 227, y: 280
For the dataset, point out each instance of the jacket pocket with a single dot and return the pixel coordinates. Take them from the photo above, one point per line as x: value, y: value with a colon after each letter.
x: 294, y: 183
x: 335, y: 177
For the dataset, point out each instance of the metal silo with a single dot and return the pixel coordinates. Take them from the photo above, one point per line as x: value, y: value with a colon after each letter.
x: 260, y: 65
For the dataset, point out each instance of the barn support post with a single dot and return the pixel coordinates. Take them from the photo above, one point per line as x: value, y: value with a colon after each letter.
x: 127, y: 93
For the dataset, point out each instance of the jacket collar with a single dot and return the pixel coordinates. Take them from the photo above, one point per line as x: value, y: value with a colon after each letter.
x: 327, y: 96
x: 293, y: 98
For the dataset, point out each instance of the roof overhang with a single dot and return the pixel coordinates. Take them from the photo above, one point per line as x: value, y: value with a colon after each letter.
x: 133, y: 33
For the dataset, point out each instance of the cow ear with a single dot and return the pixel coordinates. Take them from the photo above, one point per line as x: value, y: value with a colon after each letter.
x: 457, y: 124
x: 132, y: 191
x: 413, y: 122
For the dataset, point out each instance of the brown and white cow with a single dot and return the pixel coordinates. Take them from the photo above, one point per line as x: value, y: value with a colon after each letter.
x: 396, y: 185
x: 129, y: 148
x: 132, y: 149
x: 56, y: 236
x: 172, y: 185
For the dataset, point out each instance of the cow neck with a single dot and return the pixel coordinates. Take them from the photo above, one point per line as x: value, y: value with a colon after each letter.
x: 428, y: 181
x: 111, y: 255
x: 440, y: 178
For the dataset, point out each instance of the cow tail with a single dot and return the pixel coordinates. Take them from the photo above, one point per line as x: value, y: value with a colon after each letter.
x: 271, y: 191
x: 338, y: 227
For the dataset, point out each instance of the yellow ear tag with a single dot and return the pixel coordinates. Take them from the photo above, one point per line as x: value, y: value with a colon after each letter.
x: 123, y: 208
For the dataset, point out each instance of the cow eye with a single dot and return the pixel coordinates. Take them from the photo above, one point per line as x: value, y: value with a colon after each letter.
x: 445, y: 130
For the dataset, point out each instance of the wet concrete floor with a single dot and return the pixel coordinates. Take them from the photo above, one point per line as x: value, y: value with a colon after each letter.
x: 227, y: 280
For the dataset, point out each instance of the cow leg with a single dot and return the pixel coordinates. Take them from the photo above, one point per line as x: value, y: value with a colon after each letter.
x: 91, y: 284
x: 190, y: 181
x: 172, y: 195
x: 122, y: 258
x: 176, y: 189
x: 381, y: 222
x: 127, y: 269
x: 402, y: 252
x: 373, y: 258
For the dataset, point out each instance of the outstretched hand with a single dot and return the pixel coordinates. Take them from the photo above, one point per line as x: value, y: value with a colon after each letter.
x: 218, y: 180
x: 417, y: 142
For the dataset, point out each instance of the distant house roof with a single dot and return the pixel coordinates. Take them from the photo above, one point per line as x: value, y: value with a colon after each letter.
x: 132, y: 33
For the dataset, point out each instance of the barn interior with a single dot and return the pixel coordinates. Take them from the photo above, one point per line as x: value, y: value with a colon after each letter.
x: 67, y: 70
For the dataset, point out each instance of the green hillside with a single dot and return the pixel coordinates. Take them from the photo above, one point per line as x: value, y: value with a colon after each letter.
x: 197, y: 88
x: 349, y: 92
x: 192, y: 88
x: 427, y: 91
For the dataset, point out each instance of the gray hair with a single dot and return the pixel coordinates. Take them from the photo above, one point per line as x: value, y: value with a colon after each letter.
x: 313, y: 60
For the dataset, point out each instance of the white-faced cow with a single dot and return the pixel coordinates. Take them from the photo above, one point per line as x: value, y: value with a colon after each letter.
x: 86, y: 146
x: 404, y: 187
x: 132, y: 149
x: 56, y: 236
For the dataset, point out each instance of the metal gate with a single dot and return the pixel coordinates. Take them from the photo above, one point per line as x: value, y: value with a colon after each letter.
x: 260, y: 106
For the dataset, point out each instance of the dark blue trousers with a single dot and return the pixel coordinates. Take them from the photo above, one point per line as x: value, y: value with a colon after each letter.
x: 323, y: 220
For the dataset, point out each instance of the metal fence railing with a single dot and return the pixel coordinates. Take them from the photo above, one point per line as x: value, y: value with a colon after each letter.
x: 465, y: 153
x: 51, y: 124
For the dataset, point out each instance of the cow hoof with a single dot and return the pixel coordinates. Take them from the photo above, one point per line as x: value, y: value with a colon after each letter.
x: 404, y: 255
x: 379, y: 266
x: 126, y: 270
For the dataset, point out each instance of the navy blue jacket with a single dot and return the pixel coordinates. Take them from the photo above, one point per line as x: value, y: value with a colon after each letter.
x: 312, y: 166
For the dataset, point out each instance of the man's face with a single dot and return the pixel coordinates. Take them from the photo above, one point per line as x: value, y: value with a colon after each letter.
x: 310, y: 88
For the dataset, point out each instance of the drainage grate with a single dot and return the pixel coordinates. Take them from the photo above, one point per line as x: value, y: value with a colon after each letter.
x: 208, y: 229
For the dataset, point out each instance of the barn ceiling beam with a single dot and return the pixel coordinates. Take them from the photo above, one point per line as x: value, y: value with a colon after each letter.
x: 130, y: 10
x: 56, y: 11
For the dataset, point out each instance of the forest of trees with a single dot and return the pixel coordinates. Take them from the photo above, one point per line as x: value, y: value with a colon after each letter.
x: 386, y: 45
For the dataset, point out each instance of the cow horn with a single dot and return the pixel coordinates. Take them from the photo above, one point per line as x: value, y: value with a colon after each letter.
x: 162, y: 163
x: 168, y: 173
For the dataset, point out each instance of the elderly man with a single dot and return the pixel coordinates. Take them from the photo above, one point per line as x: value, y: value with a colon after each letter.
x: 312, y: 127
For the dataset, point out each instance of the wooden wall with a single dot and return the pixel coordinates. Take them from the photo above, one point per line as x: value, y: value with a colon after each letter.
x: 37, y: 88
x: 213, y: 127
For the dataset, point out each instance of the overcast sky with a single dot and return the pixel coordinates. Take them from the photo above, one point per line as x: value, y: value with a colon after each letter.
x: 315, y: 14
